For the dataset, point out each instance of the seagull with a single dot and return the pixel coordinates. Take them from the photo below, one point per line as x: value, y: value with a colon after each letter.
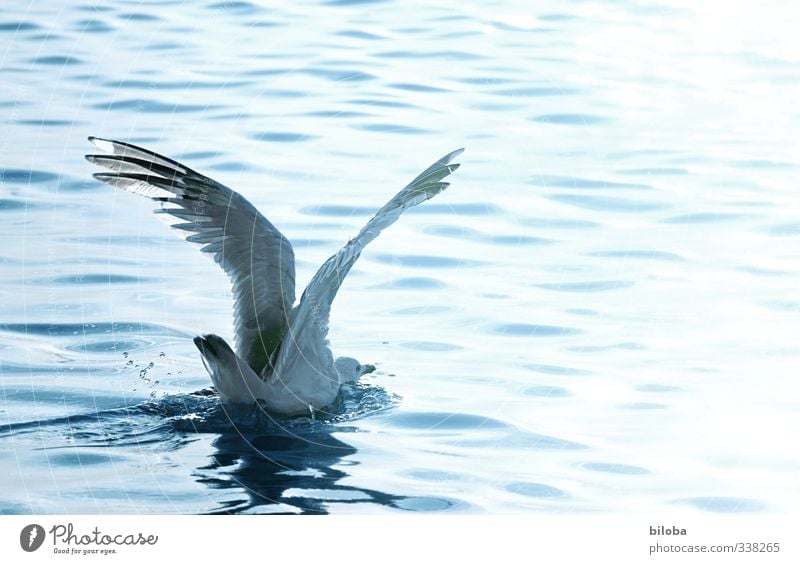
x: 283, y: 359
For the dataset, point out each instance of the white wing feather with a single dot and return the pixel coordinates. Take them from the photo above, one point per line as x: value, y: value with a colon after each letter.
x: 258, y: 259
x: 309, y: 324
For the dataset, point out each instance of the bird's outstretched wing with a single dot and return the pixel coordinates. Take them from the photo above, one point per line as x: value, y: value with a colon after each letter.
x: 258, y: 259
x: 310, y: 320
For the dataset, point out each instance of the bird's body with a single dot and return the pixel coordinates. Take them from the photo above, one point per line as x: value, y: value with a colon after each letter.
x: 282, y: 358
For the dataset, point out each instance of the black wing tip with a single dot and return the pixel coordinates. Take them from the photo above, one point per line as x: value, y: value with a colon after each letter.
x: 106, y: 145
x: 94, y: 159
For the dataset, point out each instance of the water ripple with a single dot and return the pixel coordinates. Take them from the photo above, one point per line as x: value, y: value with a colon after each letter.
x: 532, y: 489
x: 784, y: 229
x: 113, y: 346
x: 592, y: 286
x: 531, y: 330
x: 694, y: 218
x: 425, y: 261
x: 93, y: 26
x: 358, y: 34
x: 12, y: 205
x: 435, y: 421
x: 763, y: 164
x: 22, y: 176
x: 607, y: 203
x: 638, y: 254
x: 521, y: 440
x: 570, y: 119
x: 549, y: 223
x: 657, y: 388
x: 660, y: 171
x: 416, y: 283
x: 558, y: 370
x: 613, y: 468
x: 138, y: 17
x: 48, y: 123
x: 546, y: 391
x: 18, y: 26
x: 628, y: 346
x: 92, y: 279
x: 723, y: 504
x: 239, y: 6
x: 475, y: 209
x: 491, y: 239
x: 282, y: 137
x: 442, y: 55
x: 72, y: 329
x: 338, y: 210
x: 153, y: 106
x: 80, y: 458
x: 422, y: 310
x: 340, y: 75
x: 413, y: 87
x: 60, y: 60
x: 430, y: 346
x: 535, y: 92
x: 468, y: 430
x: 574, y: 182
x: 390, y: 128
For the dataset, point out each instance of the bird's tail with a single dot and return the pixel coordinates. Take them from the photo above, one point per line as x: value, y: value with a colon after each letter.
x: 235, y: 381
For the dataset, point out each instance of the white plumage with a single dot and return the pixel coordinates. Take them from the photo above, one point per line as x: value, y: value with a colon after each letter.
x: 282, y: 358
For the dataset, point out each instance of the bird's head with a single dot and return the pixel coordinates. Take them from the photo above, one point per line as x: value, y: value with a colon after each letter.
x: 350, y: 369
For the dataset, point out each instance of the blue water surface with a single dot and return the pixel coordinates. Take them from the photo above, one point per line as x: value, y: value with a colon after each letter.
x: 601, y: 314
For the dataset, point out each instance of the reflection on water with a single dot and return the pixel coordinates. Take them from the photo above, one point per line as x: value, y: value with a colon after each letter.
x: 285, y: 473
